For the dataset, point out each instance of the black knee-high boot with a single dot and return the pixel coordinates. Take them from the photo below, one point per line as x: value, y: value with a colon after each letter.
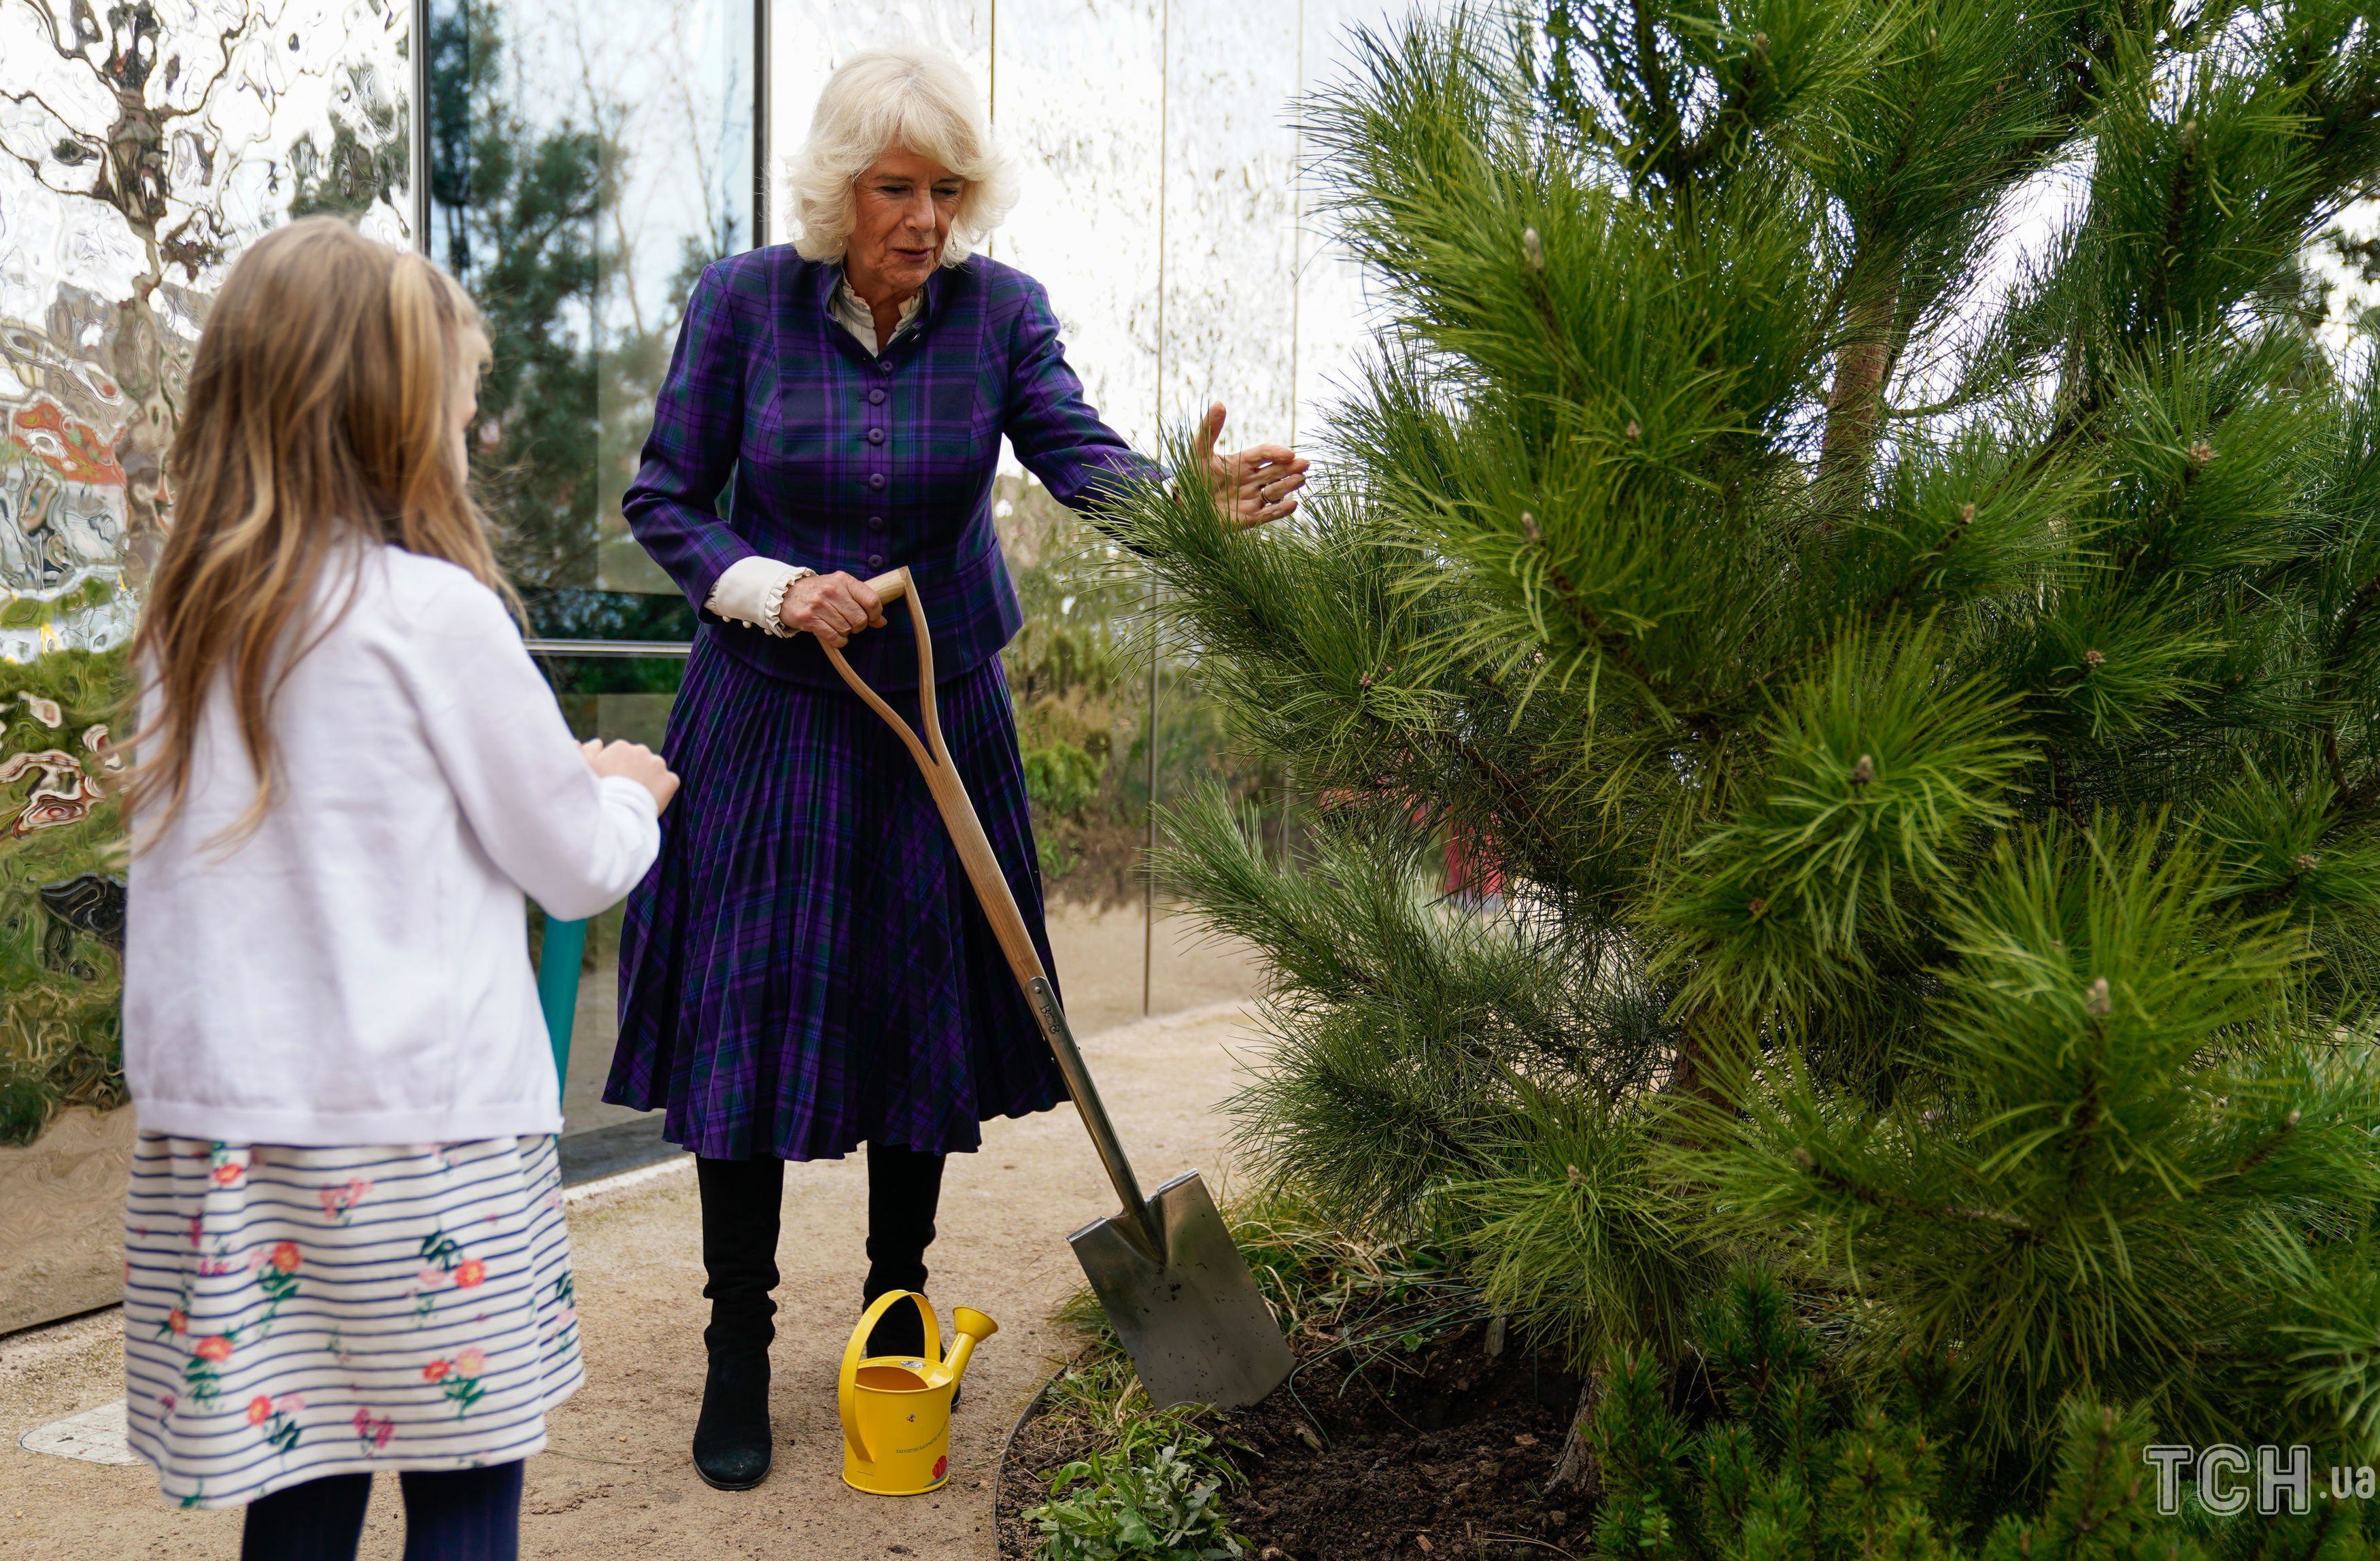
x: 903, y: 1189
x: 741, y: 1201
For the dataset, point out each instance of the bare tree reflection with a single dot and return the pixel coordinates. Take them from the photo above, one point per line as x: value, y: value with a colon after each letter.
x: 126, y: 163
x: 129, y: 112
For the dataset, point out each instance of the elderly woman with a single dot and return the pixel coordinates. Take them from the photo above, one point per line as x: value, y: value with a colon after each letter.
x: 806, y: 969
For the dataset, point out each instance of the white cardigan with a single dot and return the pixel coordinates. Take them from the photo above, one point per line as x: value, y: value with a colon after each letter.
x: 357, y: 971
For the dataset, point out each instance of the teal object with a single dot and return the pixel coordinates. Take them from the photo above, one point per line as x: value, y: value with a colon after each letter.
x: 557, y: 988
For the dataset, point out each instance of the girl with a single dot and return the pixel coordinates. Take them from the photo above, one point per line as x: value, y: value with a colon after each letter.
x: 345, y: 1246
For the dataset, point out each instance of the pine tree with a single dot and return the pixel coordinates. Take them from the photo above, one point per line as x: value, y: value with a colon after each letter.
x: 1925, y: 718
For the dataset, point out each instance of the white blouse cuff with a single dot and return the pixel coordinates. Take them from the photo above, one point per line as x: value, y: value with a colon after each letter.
x: 752, y: 591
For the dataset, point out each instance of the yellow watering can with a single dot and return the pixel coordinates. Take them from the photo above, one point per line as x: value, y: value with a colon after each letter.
x: 896, y: 1408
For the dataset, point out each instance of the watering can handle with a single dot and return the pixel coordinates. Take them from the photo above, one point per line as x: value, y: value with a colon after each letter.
x: 847, y: 1382
x: 999, y: 904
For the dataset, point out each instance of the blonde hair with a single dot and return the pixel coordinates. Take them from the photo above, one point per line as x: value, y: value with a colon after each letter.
x: 319, y: 416
x: 911, y: 97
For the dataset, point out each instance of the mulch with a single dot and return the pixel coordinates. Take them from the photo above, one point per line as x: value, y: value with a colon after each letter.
x: 1441, y: 1450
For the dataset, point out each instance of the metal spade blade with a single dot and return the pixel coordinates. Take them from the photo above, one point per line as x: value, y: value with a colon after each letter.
x: 1194, y: 1325
x: 1167, y: 1273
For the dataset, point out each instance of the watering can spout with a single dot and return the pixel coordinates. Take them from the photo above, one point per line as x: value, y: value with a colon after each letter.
x: 972, y: 1327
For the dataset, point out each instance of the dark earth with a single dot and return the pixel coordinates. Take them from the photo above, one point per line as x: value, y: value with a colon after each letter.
x: 1444, y: 1450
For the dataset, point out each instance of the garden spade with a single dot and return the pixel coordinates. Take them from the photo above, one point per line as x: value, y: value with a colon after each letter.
x: 1165, y: 1269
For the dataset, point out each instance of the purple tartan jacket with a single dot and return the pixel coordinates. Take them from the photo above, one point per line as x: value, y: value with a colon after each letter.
x: 838, y: 461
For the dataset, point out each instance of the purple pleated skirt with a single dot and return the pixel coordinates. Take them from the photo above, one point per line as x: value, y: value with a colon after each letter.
x: 805, y: 966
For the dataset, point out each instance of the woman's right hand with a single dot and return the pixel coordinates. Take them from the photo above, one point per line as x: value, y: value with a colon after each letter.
x: 637, y: 762
x: 834, y: 607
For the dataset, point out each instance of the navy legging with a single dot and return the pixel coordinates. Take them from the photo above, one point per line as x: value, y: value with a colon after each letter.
x: 459, y: 1515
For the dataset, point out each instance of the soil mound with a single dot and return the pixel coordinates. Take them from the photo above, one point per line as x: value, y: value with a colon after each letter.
x: 1440, y: 1449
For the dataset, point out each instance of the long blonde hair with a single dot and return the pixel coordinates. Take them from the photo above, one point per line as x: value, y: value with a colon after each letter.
x: 319, y: 415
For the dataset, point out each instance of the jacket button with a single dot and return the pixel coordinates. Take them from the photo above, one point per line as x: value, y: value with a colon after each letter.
x: 876, y: 436
x: 876, y: 396
x: 875, y: 479
x: 876, y: 560
x: 876, y: 522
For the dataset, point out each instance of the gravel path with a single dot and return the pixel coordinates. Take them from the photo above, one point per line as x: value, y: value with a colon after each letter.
x: 615, y: 1479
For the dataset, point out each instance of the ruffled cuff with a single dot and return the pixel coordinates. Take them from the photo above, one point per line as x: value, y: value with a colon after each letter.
x: 772, y: 600
x: 752, y: 592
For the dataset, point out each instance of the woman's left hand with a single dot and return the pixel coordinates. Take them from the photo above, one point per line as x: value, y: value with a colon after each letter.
x: 1255, y: 485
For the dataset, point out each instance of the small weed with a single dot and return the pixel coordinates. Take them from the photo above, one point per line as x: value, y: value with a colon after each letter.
x: 1154, y: 1495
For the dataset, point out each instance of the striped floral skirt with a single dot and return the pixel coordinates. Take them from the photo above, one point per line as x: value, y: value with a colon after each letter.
x: 805, y: 966
x: 290, y: 1313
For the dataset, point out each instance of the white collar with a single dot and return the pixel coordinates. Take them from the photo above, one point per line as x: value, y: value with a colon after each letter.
x: 853, y: 313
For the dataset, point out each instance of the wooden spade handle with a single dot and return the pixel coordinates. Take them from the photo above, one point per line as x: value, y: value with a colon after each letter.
x: 942, y: 779
x: 999, y: 904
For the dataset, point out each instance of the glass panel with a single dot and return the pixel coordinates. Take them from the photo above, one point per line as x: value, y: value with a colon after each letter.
x: 145, y: 145
x: 578, y: 188
x: 1078, y: 97
x: 630, y: 716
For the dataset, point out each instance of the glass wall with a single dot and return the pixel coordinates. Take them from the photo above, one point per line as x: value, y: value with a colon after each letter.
x: 577, y: 187
x: 144, y: 144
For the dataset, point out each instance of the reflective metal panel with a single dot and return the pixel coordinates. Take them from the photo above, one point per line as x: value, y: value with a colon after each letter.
x: 1336, y: 323
x: 1231, y: 190
x: 141, y: 145
x: 149, y: 143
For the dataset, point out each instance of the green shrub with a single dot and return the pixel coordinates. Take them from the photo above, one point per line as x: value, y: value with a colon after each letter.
x: 1791, y: 1461
x: 24, y: 1107
x: 1062, y: 779
x: 1924, y: 729
x: 1156, y: 1495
